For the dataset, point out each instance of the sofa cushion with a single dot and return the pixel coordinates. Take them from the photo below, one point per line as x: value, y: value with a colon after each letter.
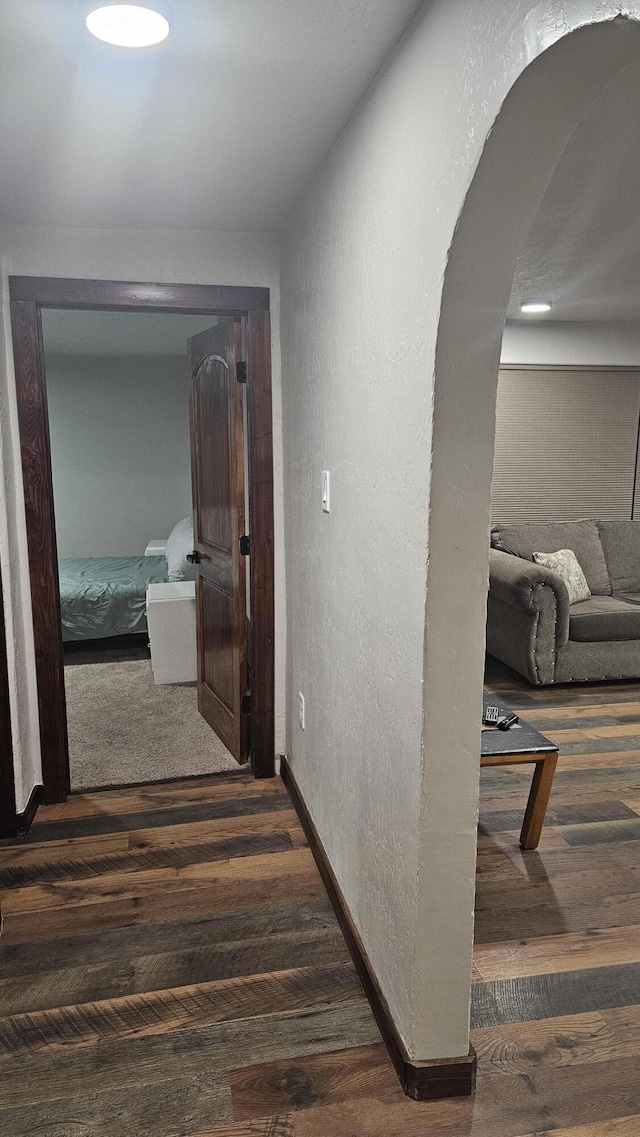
x: 621, y: 546
x: 604, y: 618
x: 581, y: 536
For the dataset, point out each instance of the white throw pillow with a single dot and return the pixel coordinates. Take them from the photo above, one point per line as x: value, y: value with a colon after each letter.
x: 179, y: 543
x: 566, y: 564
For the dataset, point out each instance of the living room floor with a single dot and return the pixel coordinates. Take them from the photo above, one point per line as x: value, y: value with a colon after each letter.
x: 170, y: 964
x: 558, y: 928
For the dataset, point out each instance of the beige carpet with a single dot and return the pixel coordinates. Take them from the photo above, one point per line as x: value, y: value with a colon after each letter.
x: 123, y: 729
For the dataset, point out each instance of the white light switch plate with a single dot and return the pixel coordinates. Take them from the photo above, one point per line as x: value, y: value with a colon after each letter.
x: 301, y: 709
x: 326, y: 491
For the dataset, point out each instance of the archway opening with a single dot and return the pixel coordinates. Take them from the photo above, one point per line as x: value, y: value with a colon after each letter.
x: 538, y: 117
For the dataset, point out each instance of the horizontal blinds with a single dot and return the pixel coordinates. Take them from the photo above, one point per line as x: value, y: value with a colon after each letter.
x: 565, y: 445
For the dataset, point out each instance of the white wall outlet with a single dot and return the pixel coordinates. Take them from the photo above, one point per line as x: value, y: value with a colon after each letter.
x: 301, y: 709
x: 326, y: 491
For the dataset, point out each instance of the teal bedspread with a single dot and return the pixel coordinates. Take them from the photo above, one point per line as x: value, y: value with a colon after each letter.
x: 106, y: 596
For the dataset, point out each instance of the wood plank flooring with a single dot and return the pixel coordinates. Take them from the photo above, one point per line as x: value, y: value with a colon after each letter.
x: 170, y: 965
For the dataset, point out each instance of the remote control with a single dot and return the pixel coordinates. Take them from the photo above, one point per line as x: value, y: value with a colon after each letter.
x: 491, y: 716
x: 507, y: 722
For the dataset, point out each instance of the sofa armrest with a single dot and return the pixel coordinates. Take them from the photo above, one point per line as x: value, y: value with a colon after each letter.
x: 527, y: 586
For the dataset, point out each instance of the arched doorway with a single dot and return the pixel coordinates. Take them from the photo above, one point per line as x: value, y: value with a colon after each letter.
x: 536, y: 120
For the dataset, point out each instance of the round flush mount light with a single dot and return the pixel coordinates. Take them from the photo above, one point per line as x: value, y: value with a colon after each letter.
x: 535, y: 306
x: 128, y: 25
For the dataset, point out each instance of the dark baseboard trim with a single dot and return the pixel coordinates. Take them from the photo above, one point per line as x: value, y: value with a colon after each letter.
x: 24, y: 820
x: 423, y: 1081
x: 107, y: 643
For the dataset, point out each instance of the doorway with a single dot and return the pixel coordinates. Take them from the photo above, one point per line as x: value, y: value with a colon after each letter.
x: 118, y: 396
x: 250, y: 308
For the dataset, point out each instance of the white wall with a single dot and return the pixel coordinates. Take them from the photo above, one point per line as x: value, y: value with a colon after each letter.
x: 23, y: 692
x: 386, y: 594
x: 572, y: 344
x: 182, y: 256
x: 120, y: 455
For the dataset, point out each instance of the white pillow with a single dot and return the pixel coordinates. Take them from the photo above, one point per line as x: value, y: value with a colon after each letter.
x: 566, y: 564
x: 179, y: 543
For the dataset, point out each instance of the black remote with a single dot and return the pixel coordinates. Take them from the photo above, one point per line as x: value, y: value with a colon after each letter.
x: 507, y: 722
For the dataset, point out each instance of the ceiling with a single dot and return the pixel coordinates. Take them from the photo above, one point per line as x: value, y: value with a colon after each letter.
x: 220, y: 127
x: 583, y: 249
x: 120, y: 333
x: 224, y: 124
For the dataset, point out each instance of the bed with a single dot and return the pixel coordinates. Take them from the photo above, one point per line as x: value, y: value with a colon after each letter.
x: 106, y: 596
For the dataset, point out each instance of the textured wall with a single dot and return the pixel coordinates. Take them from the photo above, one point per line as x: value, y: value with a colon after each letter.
x: 387, y: 593
x: 120, y: 454
x: 23, y: 694
x: 187, y: 256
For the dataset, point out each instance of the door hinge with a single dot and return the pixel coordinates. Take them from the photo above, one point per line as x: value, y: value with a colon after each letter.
x: 245, y: 704
x: 244, y: 546
x: 241, y: 371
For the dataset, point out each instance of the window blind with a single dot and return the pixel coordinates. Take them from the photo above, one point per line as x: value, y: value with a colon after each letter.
x: 566, y: 443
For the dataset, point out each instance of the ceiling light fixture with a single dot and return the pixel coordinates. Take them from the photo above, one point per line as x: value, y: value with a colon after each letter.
x: 535, y: 306
x: 128, y: 25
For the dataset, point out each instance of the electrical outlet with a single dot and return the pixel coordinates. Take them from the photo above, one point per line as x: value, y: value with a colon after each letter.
x: 301, y: 709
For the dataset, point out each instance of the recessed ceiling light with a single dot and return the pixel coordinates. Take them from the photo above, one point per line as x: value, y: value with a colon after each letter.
x: 128, y: 25
x: 535, y: 306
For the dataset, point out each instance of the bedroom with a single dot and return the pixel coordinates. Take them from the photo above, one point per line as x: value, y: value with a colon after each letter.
x: 118, y: 390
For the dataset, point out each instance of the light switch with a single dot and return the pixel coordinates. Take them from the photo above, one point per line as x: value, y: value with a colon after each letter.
x: 326, y: 491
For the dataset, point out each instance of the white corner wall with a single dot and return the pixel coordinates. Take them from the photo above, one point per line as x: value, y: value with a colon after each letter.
x: 181, y: 256
x: 23, y: 691
x: 386, y: 594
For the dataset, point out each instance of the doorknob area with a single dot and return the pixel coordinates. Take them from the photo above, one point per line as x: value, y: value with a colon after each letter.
x: 194, y: 557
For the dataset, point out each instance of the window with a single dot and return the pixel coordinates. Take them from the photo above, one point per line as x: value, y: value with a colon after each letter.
x: 566, y: 444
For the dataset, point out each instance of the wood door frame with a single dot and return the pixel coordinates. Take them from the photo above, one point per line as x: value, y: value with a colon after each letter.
x: 8, y: 820
x: 28, y: 296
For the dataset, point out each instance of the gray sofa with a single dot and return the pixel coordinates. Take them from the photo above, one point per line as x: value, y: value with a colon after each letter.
x: 530, y: 624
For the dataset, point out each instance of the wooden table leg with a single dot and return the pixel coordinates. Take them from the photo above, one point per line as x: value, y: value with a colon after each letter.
x: 538, y: 801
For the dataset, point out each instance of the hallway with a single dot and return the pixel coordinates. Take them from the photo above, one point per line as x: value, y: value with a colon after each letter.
x: 170, y: 964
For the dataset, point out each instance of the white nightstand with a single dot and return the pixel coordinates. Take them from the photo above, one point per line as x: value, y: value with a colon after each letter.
x: 171, y: 620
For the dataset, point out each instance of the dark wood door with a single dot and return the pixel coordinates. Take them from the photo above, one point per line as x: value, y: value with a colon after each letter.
x: 217, y: 466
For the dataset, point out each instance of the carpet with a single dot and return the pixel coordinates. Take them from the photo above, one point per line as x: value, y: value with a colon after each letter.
x: 124, y: 729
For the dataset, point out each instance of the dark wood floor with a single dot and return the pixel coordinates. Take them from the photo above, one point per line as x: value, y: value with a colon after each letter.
x: 170, y: 964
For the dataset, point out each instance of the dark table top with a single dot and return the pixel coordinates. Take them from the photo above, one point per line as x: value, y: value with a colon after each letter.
x: 519, y: 739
